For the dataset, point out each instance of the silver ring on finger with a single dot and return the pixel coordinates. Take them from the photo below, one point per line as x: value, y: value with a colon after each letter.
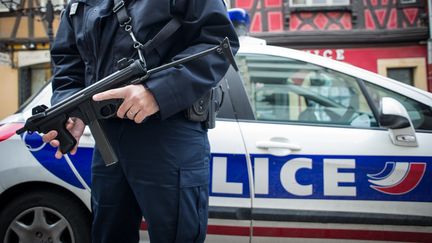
x: 132, y: 113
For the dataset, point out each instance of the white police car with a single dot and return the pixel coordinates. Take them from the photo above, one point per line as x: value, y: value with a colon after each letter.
x: 304, y: 148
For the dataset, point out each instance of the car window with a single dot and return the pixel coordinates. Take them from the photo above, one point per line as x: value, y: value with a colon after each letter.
x: 287, y: 90
x: 420, y: 114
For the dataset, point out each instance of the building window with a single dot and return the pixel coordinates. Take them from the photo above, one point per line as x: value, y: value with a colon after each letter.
x: 32, y: 79
x: 410, y: 3
x: 6, y: 5
x: 314, y: 3
x: 407, y: 70
x: 58, y: 4
x: 404, y: 75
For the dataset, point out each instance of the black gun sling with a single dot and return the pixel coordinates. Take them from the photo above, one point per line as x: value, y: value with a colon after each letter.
x: 125, y: 22
x: 203, y: 110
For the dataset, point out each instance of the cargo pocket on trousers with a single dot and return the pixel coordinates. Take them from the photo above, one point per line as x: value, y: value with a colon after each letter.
x: 193, y: 205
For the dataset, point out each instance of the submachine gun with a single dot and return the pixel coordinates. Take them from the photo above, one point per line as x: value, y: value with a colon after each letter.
x: 82, y: 105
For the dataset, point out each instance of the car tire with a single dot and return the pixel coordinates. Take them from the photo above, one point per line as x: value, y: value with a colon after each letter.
x: 45, y: 216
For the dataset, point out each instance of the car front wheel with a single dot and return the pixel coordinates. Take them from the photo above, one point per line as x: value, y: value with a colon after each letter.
x: 44, y: 216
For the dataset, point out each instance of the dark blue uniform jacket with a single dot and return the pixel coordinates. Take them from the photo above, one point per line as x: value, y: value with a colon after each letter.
x: 89, y: 42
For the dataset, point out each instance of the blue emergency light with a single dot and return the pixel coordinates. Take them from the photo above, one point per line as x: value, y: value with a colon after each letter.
x: 240, y: 19
x: 239, y: 15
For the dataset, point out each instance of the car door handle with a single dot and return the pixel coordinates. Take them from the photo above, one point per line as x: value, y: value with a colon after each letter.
x: 278, y: 145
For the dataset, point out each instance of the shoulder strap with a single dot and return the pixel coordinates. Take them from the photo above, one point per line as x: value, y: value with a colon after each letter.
x: 122, y: 15
x: 124, y: 19
x: 170, y: 28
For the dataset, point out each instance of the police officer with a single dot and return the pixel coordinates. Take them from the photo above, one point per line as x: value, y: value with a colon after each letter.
x: 163, y: 167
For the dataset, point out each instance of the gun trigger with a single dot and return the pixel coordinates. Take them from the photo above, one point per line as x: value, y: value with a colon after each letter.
x: 107, y: 108
x: 39, y: 109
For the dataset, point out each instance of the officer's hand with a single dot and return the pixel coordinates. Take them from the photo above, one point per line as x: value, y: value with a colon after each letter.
x: 76, y: 128
x: 138, y: 102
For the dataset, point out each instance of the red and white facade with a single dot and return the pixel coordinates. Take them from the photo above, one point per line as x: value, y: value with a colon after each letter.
x: 379, y: 35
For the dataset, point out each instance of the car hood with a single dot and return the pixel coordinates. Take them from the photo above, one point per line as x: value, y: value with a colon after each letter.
x: 15, y: 118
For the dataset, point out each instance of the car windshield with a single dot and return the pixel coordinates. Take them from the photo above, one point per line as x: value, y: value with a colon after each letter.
x: 43, y: 96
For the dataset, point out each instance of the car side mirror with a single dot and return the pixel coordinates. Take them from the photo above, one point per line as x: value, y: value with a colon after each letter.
x: 395, y: 118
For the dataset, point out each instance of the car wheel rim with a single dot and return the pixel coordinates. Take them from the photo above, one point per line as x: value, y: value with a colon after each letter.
x: 39, y: 225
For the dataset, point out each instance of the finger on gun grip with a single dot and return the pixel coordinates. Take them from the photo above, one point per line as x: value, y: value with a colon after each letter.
x: 130, y: 115
x: 124, y: 107
x: 74, y: 150
x: 58, y: 154
x: 139, y: 117
x: 54, y: 143
x: 49, y: 136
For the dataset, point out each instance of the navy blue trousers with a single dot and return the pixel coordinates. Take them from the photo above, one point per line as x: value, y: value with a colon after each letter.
x: 162, y: 176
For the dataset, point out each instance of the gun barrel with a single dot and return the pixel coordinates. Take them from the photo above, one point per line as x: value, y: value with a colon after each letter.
x: 223, y: 48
